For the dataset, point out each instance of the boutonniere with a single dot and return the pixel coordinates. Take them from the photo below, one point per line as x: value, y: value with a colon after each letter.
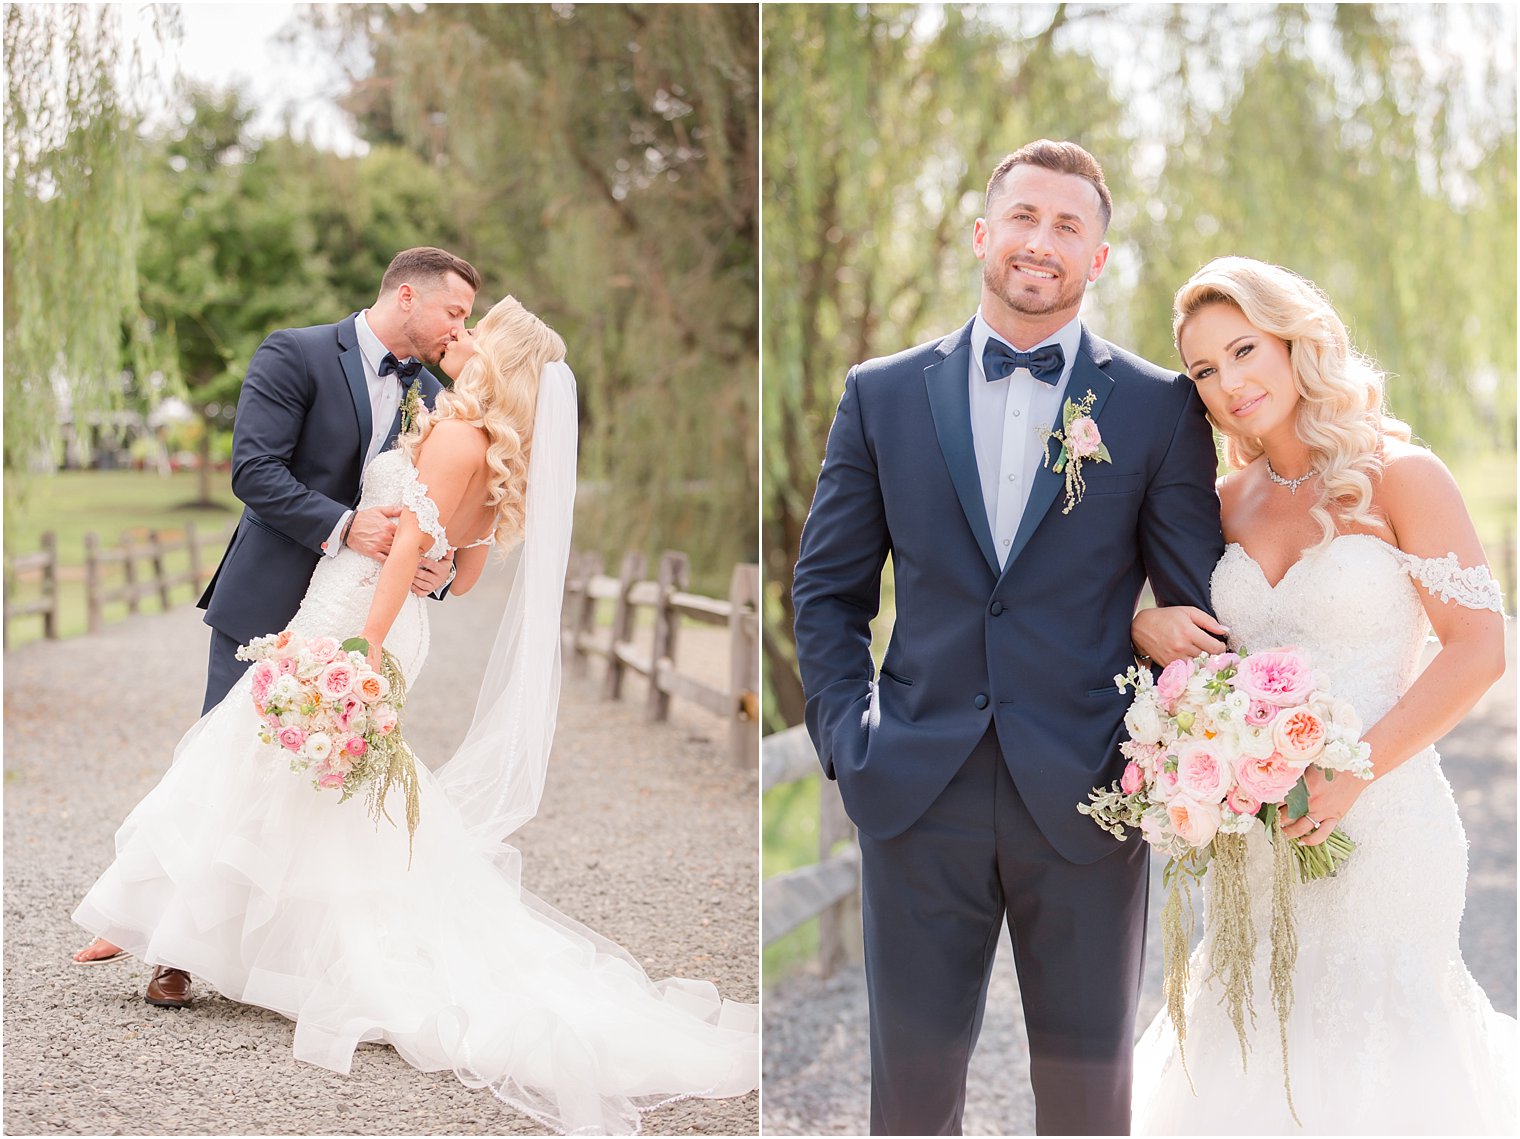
x: 411, y: 406
x: 1079, y: 440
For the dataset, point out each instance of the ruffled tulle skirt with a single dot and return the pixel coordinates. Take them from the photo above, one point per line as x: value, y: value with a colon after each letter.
x: 237, y: 870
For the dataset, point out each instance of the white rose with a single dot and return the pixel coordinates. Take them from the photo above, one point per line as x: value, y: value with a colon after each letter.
x: 1143, y: 722
x: 285, y: 689
x: 1254, y: 742
x: 318, y: 746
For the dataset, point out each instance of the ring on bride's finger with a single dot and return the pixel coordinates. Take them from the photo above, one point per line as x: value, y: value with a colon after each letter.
x: 1313, y: 823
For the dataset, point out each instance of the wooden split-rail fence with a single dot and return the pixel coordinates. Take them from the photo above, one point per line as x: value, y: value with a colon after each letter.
x: 134, y: 569
x: 828, y: 889
x: 737, y: 701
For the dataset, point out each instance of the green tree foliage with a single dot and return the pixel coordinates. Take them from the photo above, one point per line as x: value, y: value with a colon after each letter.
x: 601, y: 165
x: 1356, y: 144
x: 71, y: 218
x: 242, y: 237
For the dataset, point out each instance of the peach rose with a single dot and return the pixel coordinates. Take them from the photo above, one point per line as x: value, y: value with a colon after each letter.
x: 1196, y: 823
x: 1299, y: 735
x: 372, y: 687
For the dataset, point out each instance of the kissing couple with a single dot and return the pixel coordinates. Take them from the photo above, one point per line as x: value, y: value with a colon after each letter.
x: 994, y: 712
x: 368, y: 488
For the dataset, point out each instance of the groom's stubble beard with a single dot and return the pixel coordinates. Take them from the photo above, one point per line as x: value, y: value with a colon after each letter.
x: 429, y: 354
x: 997, y: 279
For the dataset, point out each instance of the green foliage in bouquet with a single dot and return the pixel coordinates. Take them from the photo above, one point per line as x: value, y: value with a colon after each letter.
x: 388, y: 762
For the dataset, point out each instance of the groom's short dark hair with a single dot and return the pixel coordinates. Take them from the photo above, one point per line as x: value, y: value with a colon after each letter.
x: 1063, y: 158
x: 429, y: 263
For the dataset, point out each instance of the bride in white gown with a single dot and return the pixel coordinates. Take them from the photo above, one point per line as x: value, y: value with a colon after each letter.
x: 1349, y: 542
x: 235, y: 869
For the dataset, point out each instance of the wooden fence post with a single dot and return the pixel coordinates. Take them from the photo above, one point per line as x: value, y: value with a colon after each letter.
x: 622, y: 621
x: 129, y: 569
x: 744, y: 665
x: 50, y: 585
x: 675, y: 568
x: 583, y: 613
x: 156, y: 552
x: 839, y: 933
x: 92, y: 581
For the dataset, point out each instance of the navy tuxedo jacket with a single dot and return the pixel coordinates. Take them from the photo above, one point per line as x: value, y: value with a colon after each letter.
x: 1032, y: 649
x: 303, y: 427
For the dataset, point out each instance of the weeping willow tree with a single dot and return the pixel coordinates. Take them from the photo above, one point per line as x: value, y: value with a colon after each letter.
x: 1369, y: 147
x: 72, y: 216
x: 601, y: 163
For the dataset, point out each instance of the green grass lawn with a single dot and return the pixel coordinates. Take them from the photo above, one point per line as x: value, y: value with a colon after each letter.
x: 110, y: 504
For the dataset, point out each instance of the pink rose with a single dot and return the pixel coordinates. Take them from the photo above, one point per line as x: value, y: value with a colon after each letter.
x: 1202, y: 775
x: 1173, y: 682
x: 356, y: 746
x: 1196, y: 823
x: 287, y: 666
x: 385, y: 719
x: 292, y: 738
x: 1221, y: 661
x: 1281, y: 677
x: 1268, y: 780
x: 1132, y: 780
x: 1166, y: 784
x: 323, y: 649
x: 1241, y: 803
x: 1299, y: 735
x: 351, y: 708
x: 1082, y: 438
x: 337, y: 680
x: 332, y: 779
x: 1260, y: 713
x: 263, y: 677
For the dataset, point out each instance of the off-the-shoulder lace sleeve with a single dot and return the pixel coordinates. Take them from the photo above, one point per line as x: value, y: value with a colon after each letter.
x: 1473, y: 587
x: 414, y: 496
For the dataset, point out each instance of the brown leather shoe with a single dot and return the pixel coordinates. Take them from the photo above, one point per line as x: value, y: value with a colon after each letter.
x: 169, y: 988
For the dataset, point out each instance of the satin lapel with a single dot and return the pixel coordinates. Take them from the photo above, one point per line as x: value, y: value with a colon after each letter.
x: 950, y: 403
x: 1086, y: 377
x: 353, y: 369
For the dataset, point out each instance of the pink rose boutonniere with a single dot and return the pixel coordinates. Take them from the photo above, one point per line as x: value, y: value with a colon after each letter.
x: 1080, y: 441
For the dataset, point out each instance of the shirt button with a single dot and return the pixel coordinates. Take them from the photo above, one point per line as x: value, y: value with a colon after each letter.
x: 1013, y: 478
x: 1015, y: 413
x: 996, y: 609
x: 1007, y: 542
x: 980, y: 701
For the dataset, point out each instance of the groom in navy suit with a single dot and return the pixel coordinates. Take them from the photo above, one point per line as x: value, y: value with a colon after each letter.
x: 316, y: 406
x: 963, y: 761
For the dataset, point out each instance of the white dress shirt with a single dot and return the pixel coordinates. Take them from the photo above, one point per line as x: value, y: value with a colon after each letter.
x: 384, y: 399
x: 1006, y: 416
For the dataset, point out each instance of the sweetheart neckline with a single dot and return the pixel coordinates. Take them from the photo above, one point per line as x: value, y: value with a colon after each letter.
x: 1304, y: 556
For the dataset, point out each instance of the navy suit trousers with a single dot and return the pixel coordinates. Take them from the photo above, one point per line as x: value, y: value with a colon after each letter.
x: 935, y: 898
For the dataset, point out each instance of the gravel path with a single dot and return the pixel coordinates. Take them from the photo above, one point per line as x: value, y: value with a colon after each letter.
x: 817, y: 1067
x: 647, y: 834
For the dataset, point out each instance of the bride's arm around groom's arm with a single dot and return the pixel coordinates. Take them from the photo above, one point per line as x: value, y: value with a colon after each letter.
x: 1428, y: 519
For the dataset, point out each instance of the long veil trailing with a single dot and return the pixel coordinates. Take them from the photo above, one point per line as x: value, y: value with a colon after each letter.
x: 496, y: 777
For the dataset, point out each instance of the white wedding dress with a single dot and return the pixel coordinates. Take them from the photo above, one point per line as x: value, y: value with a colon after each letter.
x: 1389, y: 1033
x: 237, y: 870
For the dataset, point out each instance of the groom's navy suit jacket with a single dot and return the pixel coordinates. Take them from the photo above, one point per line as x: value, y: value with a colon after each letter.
x: 303, y: 427
x: 1032, y: 648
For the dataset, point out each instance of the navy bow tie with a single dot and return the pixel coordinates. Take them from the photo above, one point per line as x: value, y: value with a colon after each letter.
x: 1045, y: 364
x: 404, y: 369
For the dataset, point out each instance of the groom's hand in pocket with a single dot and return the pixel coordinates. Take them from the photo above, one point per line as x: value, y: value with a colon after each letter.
x: 372, y: 531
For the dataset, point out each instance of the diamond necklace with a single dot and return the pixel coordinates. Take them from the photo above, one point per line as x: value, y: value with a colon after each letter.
x: 1291, y: 484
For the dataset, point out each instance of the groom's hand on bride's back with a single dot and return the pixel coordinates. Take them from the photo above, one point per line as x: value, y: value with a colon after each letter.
x: 372, y: 531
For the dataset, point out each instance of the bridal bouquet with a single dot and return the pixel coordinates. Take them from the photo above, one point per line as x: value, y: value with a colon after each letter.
x: 335, y: 717
x: 1216, y: 746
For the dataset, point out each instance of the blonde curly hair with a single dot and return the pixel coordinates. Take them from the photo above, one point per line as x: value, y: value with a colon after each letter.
x: 1341, y: 414
x: 497, y: 390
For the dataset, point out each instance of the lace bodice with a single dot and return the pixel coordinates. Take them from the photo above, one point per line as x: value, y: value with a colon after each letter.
x: 337, y: 600
x: 1387, y: 922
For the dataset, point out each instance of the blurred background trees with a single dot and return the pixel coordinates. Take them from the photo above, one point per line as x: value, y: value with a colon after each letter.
x: 599, y: 162
x: 1369, y: 147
